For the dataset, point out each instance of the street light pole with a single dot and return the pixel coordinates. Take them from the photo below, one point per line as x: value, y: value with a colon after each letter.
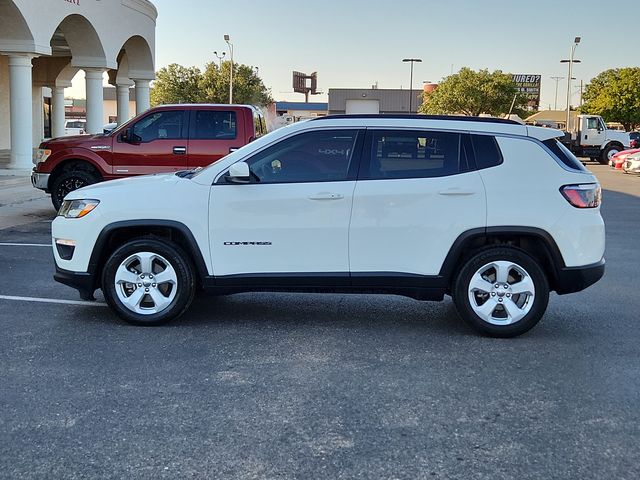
x: 220, y: 57
x: 228, y: 40
x: 412, y: 61
x: 557, y: 79
x: 571, y: 61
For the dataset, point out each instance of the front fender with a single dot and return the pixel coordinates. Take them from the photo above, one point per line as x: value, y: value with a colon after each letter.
x: 99, y: 159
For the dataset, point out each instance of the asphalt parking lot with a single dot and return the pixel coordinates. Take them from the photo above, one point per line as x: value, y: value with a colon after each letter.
x: 319, y: 386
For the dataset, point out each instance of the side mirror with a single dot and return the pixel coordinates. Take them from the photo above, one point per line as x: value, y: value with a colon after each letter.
x: 124, y: 136
x: 239, y: 173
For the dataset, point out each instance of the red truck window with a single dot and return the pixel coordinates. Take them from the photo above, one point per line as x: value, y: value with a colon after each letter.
x: 214, y: 125
x: 163, y: 125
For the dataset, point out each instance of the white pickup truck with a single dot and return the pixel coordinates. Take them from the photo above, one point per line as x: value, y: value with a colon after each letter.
x: 588, y: 136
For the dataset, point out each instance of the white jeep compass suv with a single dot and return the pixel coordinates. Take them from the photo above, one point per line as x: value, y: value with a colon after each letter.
x: 491, y: 212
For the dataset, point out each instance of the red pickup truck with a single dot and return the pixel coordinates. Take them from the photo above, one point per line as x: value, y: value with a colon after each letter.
x: 163, y: 139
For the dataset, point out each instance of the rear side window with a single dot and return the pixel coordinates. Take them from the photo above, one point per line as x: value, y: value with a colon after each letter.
x: 413, y: 154
x: 214, y: 125
x: 487, y: 152
x: 564, y: 154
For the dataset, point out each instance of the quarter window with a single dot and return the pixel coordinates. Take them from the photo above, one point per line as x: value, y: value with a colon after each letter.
x: 407, y: 154
x: 321, y: 156
x: 165, y: 125
x: 215, y: 125
x: 487, y: 152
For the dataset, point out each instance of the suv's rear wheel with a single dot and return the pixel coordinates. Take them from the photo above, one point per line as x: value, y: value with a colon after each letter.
x: 68, y: 181
x: 148, y: 282
x: 501, y: 291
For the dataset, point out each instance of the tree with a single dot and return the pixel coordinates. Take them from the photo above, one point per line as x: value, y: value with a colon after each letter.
x: 472, y: 93
x: 615, y: 95
x: 247, y: 85
x: 176, y: 84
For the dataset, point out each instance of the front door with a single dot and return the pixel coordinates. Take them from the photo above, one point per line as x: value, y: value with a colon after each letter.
x: 594, y: 132
x: 157, y: 143
x: 292, y: 220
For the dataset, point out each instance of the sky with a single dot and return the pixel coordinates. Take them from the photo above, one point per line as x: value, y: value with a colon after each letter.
x: 357, y: 43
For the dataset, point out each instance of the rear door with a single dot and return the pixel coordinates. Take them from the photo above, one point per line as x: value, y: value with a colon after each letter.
x: 215, y: 133
x: 158, y: 143
x: 415, y: 194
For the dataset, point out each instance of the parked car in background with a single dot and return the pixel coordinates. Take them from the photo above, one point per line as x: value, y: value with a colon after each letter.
x: 494, y: 213
x: 618, y: 159
x: 635, y: 139
x: 163, y: 139
x: 75, y: 127
x: 632, y: 163
x: 109, y: 127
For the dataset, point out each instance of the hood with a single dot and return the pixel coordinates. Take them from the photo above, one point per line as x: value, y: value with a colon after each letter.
x: 77, y: 141
x: 125, y: 186
x: 622, y: 137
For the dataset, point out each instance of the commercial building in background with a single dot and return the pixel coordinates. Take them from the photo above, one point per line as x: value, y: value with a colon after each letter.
x: 372, y: 100
x: 45, y: 43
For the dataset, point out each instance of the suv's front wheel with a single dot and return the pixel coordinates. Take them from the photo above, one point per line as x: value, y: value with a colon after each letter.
x: 148, y: 282
x: 501, y: 292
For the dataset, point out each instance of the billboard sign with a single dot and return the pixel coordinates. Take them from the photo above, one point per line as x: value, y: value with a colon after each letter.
x: 529, y: 86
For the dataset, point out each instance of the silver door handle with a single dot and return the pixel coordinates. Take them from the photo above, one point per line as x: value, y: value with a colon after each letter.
x: 326, y: 196
x: 179, y: 150
x: 456, y: 192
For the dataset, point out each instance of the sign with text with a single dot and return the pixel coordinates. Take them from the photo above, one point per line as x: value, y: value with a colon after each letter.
x: 529, y: 86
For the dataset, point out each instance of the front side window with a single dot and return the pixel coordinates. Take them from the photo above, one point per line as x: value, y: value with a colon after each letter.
x: 413, y: 154
x: 165, y: 125
x: 322, y: 156
x: 214, y: 125
x: 593, y: 123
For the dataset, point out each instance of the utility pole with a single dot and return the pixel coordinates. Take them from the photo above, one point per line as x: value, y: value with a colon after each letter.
x: 557, y: 79
x: 570, y: 61
x: 412, y: 61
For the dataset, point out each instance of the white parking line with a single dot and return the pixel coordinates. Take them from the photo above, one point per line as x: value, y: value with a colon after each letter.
x: 53, y: 300
x: 25, y: 245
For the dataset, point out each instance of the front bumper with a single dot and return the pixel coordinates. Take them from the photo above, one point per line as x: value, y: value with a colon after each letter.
x: 85, y: 283
x: 631, y: 166
x: 575, y: 279
x: 40, y: 180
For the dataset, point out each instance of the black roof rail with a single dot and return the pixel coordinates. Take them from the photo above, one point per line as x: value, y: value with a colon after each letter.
x: 420, y: 117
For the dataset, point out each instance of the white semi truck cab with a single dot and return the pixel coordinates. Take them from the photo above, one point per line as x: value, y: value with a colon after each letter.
x: 589, y: 137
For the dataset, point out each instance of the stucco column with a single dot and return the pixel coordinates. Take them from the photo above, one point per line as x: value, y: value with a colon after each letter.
x: 57, y: 112
x: 21, y: 104
x: 143, y: 102
x: 122, y: 96
x: 95, y: 100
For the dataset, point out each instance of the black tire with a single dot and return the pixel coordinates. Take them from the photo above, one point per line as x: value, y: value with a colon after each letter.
x: 461, y: 291
x: 179, y: 261
x: 604, y: 158
x: 70, y: 180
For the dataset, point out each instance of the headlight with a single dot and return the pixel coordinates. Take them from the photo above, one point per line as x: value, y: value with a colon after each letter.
x: 77, y: 208
x: 40, y: 155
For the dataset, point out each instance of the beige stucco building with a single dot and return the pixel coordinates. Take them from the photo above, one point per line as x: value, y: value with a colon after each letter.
x: 44, y: 43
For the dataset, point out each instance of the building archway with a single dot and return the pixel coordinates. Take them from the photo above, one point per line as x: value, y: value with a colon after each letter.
x: 15, y: 34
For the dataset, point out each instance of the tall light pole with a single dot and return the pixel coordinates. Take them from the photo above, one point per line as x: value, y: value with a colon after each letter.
x: 220, y: 57
x: 228, y: 40
x: 557, y: 79
x: 571, y: 61
x: 412, y: 61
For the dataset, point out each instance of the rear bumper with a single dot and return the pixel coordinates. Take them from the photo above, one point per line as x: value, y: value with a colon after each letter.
x: 40, y: 180
x: 84, y: 282
x: 575, y: 279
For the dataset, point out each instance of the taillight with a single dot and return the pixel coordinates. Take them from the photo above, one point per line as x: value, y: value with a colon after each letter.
x: 633, y: 144
x: 585, y: 195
